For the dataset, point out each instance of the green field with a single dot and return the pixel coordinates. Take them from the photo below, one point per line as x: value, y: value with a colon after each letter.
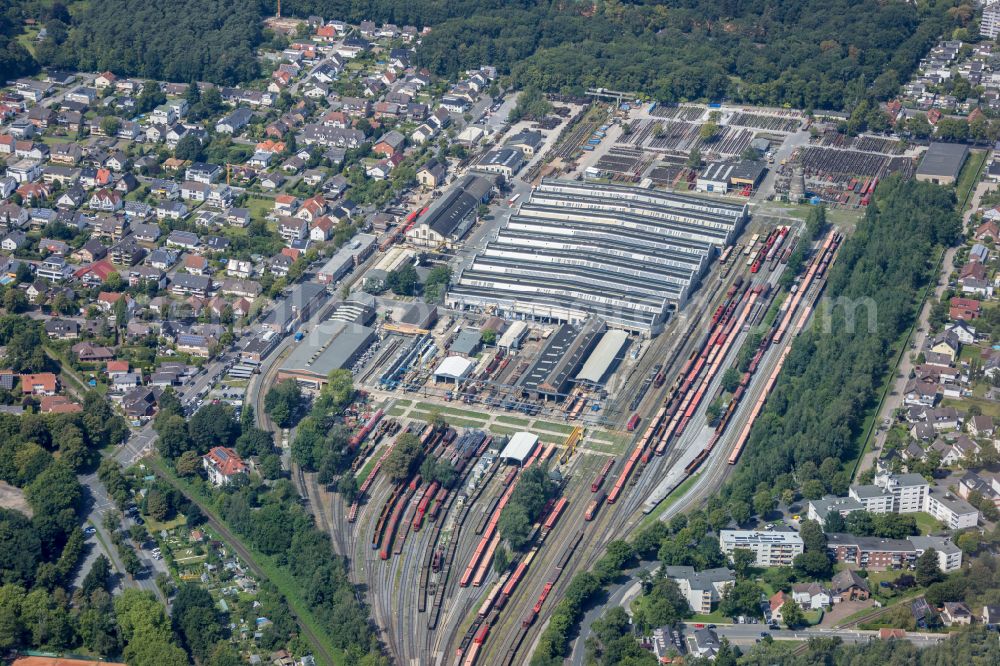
x: 448, y: 411
x: 552, y: 427
x: 969, y: 176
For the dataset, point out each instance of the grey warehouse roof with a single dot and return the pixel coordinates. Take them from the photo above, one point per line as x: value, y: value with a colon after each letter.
x: 943, y: 159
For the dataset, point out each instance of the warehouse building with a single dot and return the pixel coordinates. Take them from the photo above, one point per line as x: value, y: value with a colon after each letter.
x: 563, y: 353
x: 720, y: 177
x: 347, y: 258
x: 942, y: 163
x: 519, y: 448
x: 626, y: 254
x: 332, y: 345
x: 451, y: 216
x: 603, y: 359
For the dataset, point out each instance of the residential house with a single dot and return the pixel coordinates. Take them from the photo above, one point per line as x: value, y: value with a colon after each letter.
x: 701, y: 588
x: 811, y: 596
x: 224, y: 466
x: 41, y: 383
x: 847, y: 585
x: 956, y: 613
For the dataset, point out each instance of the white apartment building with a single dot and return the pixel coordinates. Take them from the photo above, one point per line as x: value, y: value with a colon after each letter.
x: 951, y: 510
x: 990, y: 25
x: 701, y: 588
x: 772, y: 548
x: 949, y: 555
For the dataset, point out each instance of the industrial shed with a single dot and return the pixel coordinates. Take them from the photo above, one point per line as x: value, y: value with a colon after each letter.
x: 603, y: 358
x: 564, y: 352
x: 942, y: 163
x: 453, y: 369
x: 626, y: 254
x: 332, y: 345
x: 519, y: 447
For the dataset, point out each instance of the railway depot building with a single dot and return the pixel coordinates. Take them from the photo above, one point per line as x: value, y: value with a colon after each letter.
x: 332, y: 345
x: 628, y: 255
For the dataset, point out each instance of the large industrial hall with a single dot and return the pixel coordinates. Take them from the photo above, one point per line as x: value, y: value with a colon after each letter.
x: 629, y: 255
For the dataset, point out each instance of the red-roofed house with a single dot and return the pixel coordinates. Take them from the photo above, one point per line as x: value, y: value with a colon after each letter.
x: 321, y: 229
x: 117, y: 367
x: 223, y: 466
x: 326, y: 33
x: 989, y: 230
x: 96, y: 272
x: 312, y: 209
x: 59, y: 404
x: 964, y: 308
x: 42, y: 383
x: 776, y: 602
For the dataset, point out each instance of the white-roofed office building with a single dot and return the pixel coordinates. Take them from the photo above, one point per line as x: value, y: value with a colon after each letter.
x: 626, y: 254
x: 519, y: 447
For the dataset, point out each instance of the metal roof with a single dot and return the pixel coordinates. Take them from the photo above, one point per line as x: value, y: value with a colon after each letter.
x: 520, y: 446
x: 603, y: 356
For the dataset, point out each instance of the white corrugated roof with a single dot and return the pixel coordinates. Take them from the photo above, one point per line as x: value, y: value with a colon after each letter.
x: 603, y: 356
x: 453, y: 367
x: 520, y: 446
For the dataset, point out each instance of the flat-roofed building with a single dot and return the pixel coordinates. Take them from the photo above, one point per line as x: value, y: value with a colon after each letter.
x: 772, y: 548
x: 332, y: 345
x: 942, y: 163
x: 628, y: 255
x: 563, y: 352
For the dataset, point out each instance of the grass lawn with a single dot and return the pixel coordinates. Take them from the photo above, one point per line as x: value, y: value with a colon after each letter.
x: 988, y: 407
x: 498, y: 429
x: 970, y: 352
x: 259, y: 208
x: 396, y: 411
x: 969, y: 176
x: 153, y: 526
x: 402, y: 402
x: 452, y: 420
x: 814, y: 617
x: 552, y: 427
x: 28, y: 37
x: 602, y: 447
x: 927, y: 523
x: 715, y: 617
x: 513, y: 420
x: 447, y: 411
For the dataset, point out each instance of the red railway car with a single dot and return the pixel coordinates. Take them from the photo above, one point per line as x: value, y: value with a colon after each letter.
x: 633, y: 422
x: 599, y: 479
x: 593, y: 506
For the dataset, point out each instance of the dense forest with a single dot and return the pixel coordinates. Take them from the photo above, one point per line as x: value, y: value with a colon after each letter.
x: 15, y: 60
x: 180, y: 40
x: 830, y: 379
x: 806, y: 53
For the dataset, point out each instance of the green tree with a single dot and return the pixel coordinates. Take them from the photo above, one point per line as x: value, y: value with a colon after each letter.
x: 927, y: 569
x: 792, y: 614
x: 741, y: 598
x: 743, y: 560
x: 283, y: 401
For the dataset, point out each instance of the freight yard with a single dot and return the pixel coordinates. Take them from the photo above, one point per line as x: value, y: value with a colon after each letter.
x: 430, y: 550
x: 615, y: 341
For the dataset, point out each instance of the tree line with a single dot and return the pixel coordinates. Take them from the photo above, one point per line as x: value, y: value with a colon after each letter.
x: 830, y: 378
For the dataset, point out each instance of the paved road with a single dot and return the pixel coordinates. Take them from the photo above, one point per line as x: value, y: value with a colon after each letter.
x: 894, y: 400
